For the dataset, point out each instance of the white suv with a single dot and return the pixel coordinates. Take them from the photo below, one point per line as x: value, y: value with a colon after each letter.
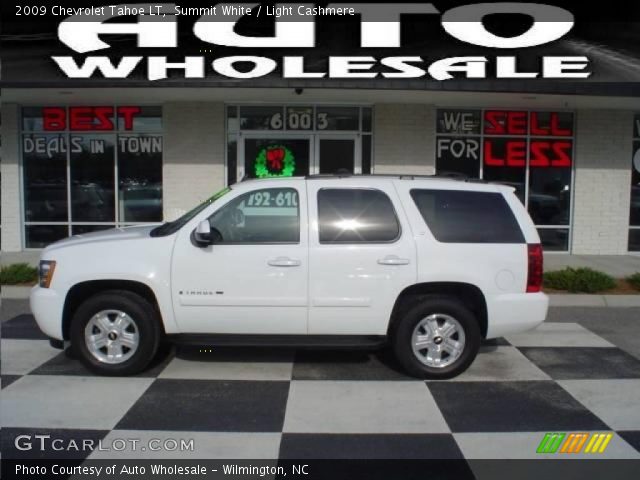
x: 429, y: 266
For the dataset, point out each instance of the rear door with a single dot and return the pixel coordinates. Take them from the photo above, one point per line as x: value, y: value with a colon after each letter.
x: 362, y: 255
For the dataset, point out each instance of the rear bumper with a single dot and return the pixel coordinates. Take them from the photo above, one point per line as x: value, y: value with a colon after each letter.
x: 47, y: 306
x: 515, y: 313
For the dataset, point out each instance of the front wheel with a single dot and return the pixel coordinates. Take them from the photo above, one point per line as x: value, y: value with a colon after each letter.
x: 115, y: 333
x: 437, y: 339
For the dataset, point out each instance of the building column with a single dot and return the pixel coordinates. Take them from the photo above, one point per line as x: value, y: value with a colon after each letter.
x: 10, y: 171
x: 602, y: 182
x: 193, y: 157
x: 404, y: 139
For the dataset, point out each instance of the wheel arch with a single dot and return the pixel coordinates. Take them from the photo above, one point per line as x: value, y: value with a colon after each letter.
x: 83, y: 290
x: 470, y: 295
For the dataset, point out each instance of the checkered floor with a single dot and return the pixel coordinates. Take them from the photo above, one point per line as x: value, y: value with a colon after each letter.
x: 260, y: 404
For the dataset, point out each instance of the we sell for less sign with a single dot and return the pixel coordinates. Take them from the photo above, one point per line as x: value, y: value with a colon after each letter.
x: 504, y: 138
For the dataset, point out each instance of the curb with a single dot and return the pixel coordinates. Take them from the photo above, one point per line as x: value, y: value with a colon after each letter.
x: 555, y: 300
x: 11, y: 292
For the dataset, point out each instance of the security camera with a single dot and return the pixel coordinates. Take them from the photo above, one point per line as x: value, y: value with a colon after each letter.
x: 299, y: 91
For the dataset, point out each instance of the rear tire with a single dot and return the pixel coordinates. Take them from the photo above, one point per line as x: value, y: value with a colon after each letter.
x: 436, y: 339
x: 115, y: 333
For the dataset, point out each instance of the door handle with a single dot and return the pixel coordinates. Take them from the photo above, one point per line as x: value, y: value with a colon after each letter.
x: 284, y: 262
x: 393, y: 260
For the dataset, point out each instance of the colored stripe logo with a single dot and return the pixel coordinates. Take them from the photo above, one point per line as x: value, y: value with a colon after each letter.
x: 574, y: 443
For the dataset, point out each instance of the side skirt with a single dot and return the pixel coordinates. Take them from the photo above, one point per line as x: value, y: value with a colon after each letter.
x: 297, y: 341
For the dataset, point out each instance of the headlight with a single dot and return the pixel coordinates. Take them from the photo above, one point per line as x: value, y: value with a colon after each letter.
x: 45, y: 272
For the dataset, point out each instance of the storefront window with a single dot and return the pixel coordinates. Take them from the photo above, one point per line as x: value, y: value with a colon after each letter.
x: 92, y: 178
x: 140, y: 178
x: 528, y: 150
x: 338, y: 118
x: 262, y: 118
x: 634, y: 217
x: 89, y: 168
x: 39, y: 236
x: 496, y: 169
x: 44, y: 166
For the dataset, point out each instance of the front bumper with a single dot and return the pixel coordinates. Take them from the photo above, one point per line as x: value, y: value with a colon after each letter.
x: 514, y: 313
x: 47, y: 306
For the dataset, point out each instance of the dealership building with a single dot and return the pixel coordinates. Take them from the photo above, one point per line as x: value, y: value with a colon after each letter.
x: 79, y: 160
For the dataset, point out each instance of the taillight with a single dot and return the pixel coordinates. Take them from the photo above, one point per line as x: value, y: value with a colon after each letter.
x: 534, y: 276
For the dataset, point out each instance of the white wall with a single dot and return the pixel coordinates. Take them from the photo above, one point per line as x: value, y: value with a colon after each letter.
x: 10, y: 169
x: 193, y: 157
x: 404, y: 139
x: 602, y: 182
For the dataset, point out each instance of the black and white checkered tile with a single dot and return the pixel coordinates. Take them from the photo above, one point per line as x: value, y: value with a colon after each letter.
x: 261, y: 404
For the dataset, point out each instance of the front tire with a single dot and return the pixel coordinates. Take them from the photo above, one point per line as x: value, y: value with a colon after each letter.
x: 436, y: 339
x: 115, y: 333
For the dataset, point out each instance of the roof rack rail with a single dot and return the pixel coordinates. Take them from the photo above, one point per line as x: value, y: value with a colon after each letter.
x: 399, y: 176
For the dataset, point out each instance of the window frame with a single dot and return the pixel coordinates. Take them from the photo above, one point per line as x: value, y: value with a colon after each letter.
x: 245, y: 194
x: 380, y: 242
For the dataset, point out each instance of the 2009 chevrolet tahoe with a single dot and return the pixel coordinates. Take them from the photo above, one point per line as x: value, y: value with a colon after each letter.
x: 429, y: 266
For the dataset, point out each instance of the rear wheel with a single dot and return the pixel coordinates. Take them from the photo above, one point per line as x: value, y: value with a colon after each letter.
x: 115, y: 333
x: 436, y: 339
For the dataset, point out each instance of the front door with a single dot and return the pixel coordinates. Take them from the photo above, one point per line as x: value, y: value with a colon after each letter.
x: 254, y: 279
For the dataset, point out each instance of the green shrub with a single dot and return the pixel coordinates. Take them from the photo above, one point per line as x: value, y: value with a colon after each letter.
x: 18, y: 273
x: 634, y: 280
x: 583, y: 280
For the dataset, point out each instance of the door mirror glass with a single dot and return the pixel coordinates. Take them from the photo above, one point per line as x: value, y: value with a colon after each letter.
x: 202, y: 235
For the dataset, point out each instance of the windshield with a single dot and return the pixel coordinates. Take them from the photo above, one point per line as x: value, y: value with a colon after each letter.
x: 169, y: 228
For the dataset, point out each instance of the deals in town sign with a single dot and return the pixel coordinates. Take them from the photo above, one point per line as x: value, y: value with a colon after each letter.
x: 504, y: 138
x: 88, y: 120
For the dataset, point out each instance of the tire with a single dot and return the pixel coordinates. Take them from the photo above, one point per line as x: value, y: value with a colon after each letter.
x: 136, y: 344
x: 447, y: 312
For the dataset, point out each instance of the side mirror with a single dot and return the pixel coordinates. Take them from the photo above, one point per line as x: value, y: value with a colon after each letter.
x: 202, y: 234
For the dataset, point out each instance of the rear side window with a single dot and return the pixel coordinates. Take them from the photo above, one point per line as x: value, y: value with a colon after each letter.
x: 468, y: 217
x: 350, y: 215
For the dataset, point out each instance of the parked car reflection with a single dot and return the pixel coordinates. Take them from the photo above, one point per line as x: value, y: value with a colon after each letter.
x: 90, y: 202
x: 140, y: 202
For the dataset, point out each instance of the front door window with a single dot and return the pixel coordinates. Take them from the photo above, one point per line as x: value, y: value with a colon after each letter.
x: 269, y: 215
x: 336, y: 155
x: 276, y: 157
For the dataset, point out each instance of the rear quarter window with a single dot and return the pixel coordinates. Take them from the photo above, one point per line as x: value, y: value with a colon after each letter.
x: 456, y: 216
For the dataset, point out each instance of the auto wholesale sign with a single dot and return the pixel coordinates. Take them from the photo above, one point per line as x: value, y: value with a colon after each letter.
x: 88, y: 33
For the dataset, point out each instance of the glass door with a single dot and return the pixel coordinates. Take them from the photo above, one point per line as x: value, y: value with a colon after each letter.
x: 338, y: 154
x: 275, y: 156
